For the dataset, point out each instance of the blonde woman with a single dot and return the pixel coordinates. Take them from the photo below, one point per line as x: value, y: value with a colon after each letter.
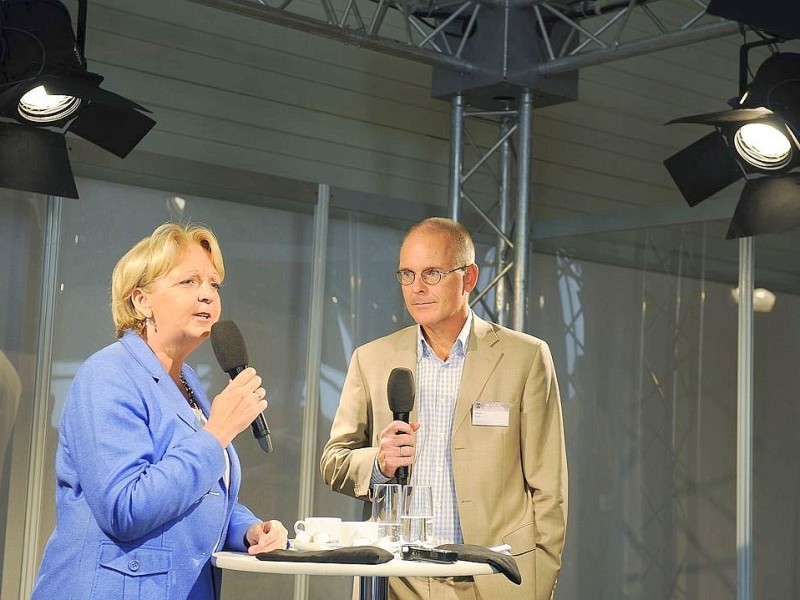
x: 147, y: 478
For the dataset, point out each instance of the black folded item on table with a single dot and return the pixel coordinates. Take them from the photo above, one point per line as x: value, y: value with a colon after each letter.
x: 474, y: 553
x: 351, y: 555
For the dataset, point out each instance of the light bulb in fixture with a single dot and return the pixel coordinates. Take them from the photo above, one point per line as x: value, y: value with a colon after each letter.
x: 763, y: 145
x: 40, y: 107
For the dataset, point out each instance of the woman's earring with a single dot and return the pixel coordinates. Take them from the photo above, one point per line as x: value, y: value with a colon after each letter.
x: 149, y: 321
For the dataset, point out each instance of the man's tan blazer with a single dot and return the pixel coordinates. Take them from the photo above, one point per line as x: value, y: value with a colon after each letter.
x: 511, y: 482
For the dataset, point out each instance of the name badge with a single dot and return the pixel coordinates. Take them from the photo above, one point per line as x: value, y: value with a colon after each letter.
x: 490, y: 414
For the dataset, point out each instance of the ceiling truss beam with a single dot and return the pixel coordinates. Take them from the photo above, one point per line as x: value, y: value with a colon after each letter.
x: 435, y: 33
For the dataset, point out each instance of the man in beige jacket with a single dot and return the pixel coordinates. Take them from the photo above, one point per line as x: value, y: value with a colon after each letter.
x: 486, y: 431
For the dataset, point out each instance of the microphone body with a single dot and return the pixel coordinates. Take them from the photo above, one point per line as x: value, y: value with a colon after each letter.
x: 231, y: 353
x: 259, y: 426
x: 401, y: 391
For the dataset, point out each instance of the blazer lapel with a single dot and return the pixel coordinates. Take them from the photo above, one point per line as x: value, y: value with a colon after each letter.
x: 142, y: 353
x: 182, y: 408
x: 404, y: 355
x: 481, y: 361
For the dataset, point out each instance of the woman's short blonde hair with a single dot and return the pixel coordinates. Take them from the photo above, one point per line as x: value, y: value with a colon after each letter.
x: 152, y: 258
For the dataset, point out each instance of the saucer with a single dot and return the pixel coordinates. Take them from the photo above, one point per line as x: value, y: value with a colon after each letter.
x: 303, y: 546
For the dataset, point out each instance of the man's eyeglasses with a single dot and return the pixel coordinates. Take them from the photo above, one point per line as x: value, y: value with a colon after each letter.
x: 430, y: 276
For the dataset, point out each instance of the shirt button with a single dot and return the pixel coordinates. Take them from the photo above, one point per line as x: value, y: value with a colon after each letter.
x: 133, y: 565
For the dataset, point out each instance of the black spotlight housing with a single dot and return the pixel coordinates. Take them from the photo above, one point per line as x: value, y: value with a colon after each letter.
x: 768, y: 205
x: 780, y: 17
x: 35, y: 160
x: 44, y: 83
x: 771, y: 104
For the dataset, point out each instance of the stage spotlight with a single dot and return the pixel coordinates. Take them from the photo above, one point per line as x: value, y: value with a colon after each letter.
x: 44, y: 82
x: 756, y: 140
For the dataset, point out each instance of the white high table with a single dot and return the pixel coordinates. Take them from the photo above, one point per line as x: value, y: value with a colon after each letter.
x: 373, y: 577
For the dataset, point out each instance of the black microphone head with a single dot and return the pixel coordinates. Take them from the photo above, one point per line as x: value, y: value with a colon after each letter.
x: 229, y: 346
x: 401, y: 390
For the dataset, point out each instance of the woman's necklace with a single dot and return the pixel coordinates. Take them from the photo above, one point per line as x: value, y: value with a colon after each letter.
x: 190, y: 397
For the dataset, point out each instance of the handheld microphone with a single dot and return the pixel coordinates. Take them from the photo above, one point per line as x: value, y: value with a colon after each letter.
x: 231, y: 353
x: 401, y: 392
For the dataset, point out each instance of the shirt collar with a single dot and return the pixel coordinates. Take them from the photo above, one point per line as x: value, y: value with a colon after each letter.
x: 459, y: 347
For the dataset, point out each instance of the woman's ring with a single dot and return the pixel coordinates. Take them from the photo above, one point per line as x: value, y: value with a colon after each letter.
x: 401, y: 450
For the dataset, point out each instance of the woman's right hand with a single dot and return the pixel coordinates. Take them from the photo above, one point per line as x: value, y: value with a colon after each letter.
x: 237, y: 406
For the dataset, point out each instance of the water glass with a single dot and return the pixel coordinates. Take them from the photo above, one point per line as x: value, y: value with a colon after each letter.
x: 416, y: 519
x: 386, y: 513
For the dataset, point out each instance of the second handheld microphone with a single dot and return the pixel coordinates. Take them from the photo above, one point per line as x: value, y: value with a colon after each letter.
x: 401, y: 392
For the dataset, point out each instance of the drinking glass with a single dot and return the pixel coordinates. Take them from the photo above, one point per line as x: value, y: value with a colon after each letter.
x: 386, y: 513
x: 416, y: 518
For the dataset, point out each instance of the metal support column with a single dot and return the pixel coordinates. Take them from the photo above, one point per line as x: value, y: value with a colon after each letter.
x: 744, y: 426
x: 525, y: 111
x: 308, y: 458
x: 31, y: 551
x: 504, y: 220
x: 456, y: 158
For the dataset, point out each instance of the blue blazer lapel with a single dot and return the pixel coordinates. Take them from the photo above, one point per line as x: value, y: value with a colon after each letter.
x: 144, y: 355
x: 182, y: 408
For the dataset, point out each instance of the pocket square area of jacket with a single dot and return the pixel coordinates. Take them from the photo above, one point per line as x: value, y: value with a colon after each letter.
x: 351, y: 555
x: 474, y: 553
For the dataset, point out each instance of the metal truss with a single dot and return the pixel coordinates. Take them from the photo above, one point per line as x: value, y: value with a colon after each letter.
x: 603, y: 31
x: 507, y: 218
x: 436, y: 32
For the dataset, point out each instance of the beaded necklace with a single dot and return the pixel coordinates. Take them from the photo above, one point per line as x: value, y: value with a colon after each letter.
x: 191, y: 399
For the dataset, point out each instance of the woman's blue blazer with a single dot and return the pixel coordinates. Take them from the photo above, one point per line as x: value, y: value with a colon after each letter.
x: 140, y: 499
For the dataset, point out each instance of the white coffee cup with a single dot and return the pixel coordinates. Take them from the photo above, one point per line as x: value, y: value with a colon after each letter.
x: 358, y: 533
x: 320, y: 530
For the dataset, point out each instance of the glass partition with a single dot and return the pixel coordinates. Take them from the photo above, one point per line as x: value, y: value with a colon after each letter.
x: 643, y: 328
x: 22, y: 230
x: 776, y: 379
x: 645, y: 348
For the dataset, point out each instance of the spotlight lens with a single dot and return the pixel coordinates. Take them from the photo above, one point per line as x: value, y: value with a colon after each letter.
x: 763, y: 146
x: 40, y: 107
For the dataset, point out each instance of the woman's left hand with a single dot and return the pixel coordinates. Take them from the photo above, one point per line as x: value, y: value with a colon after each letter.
x: 263, y: 537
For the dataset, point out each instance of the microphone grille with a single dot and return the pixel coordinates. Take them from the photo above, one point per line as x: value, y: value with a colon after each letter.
x: 401, y: 390
x: 228, y: 345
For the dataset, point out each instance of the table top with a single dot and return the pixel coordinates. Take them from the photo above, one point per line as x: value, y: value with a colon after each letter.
x: 241, y: 561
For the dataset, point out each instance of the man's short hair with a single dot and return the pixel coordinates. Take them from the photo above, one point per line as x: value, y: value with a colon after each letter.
x: 458, y: 234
